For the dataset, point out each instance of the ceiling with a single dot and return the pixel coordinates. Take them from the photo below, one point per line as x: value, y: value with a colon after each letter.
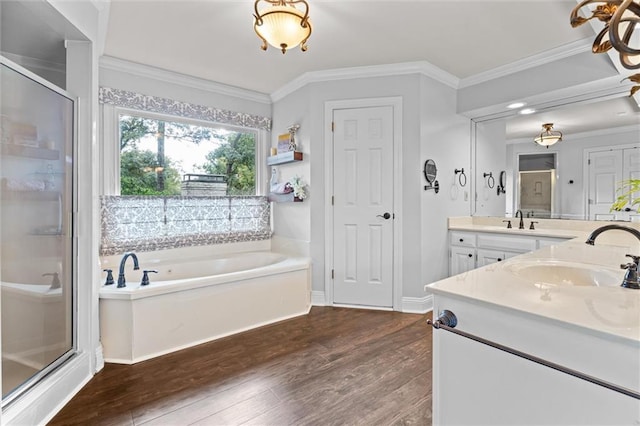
x: 215, y: 40
x: 576, y: 118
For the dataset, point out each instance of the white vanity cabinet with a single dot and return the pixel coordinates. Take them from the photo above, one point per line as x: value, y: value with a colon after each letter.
x: 469, y: 250
x: 477, y: 384
x: 462, y: 252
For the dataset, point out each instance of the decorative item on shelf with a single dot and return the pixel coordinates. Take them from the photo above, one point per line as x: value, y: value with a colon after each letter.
x: 294, y: 190
x: 430, y: 172
x: 299, y: 191
x: 548, y: 136
x: 617, y: 16
x: 462, y: 178
x: 502, y: 183
x: 490, y: 181
x: 281, y: 24
x: 292, y: 140
x: 284, y: 142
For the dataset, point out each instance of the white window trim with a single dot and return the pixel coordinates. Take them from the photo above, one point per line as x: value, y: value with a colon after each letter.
x: 110, y: 146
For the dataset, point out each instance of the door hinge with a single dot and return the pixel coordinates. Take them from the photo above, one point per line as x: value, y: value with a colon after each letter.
x: 589, y: 162
x: 332, y: 200
x: 332, y: 274
x: 333, y: 126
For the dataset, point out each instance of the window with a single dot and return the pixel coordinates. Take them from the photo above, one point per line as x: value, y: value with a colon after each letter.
x: 168, y: 157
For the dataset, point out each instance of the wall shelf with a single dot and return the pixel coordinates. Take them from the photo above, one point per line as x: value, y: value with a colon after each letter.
x: 29, y: 151
x: 284, y: 198
x: 285, y: 157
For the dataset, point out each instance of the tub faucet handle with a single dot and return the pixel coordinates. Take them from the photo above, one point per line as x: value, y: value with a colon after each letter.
x: 145, y: 276
x: 55, y: 281
x: 109, y: 280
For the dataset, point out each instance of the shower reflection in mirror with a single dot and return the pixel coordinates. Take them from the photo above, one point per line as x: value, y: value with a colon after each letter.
x: 536, y: 187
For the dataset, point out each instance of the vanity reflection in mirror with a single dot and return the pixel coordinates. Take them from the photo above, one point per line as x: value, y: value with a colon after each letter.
x: 575, y: 178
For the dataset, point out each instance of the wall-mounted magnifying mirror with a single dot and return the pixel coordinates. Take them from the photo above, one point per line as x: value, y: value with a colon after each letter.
x: 502, y: 182
x: 600, y: 142
x: 430, y: 172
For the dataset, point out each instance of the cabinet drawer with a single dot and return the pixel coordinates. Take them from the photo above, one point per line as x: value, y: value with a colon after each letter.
x: 462, y: 239
x: 508, y: 243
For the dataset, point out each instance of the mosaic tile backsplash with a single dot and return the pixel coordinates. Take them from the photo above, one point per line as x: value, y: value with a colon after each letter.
x: 135, y: 223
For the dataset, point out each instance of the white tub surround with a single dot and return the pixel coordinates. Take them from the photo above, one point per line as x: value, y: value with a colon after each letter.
x: 192, y: 301
x: 539, y: 303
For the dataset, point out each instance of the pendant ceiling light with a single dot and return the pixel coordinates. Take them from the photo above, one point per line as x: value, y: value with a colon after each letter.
x: 548, y: 136
x: 282, y: 24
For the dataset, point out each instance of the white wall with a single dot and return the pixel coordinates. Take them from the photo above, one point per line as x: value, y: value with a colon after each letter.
x: 444, y: 137
x: 571, y: 164
x: 430, y: 128
x: 146, y: 80
x: 491, y: 157
x: 292, y: 221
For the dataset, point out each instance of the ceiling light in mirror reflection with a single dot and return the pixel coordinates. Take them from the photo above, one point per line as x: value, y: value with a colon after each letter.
x: 516, y: 105
x: 527, y: 111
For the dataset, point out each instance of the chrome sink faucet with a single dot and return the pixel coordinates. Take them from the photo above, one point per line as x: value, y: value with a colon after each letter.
x: 521, y: 224
x: 121, y: 280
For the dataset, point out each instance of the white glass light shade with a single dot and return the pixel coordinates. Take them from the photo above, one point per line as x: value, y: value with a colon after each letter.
x: 547, y: 140
x: 548, y: 136
x: 282, y: 27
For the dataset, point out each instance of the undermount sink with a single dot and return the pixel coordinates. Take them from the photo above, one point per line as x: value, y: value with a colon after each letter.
x: 566, y: 273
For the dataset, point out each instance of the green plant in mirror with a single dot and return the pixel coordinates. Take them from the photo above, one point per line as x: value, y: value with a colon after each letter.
x: 626, y: 192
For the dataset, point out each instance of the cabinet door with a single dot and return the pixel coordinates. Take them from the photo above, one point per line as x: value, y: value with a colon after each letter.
x: 487, y: 257
x: 462, y: 259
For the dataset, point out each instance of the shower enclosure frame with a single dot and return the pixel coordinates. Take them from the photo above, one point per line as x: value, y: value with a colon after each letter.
x: 71, y: 234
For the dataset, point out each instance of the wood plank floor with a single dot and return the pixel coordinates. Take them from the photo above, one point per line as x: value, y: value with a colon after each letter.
x: 335, y: 366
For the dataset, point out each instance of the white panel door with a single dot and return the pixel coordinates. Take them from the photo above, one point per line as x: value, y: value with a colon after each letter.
x: 630, y: 170
x: 363, y: 206
x: 607, y: 169
x: 605, y: 173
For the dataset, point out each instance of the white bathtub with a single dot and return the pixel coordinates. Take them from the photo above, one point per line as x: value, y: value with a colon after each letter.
x: 196, y: 300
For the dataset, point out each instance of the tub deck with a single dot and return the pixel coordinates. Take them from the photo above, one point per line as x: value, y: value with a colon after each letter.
x: 139, y: 323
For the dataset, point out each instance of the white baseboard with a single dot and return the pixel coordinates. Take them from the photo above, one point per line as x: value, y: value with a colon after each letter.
x: 99, y: 358
x: 417, y: 305
x: 413, y: 305
x: 317, y: 298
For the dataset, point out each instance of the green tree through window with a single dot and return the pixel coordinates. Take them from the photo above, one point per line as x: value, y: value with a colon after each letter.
x: 156, y: 154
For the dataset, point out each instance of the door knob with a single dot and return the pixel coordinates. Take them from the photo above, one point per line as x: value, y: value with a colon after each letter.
x: 387, y: 215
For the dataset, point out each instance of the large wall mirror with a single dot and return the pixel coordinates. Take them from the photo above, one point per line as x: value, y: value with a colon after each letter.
x: 575, y: 178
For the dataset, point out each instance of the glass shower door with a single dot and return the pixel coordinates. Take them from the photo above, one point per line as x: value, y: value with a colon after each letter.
x: 36, y: 246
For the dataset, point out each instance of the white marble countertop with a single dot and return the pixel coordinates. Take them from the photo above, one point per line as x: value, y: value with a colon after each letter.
x: 519, y: 283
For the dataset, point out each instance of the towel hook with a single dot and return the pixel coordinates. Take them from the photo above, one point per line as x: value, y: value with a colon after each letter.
x: 491, y: 182
x: 462, y: 178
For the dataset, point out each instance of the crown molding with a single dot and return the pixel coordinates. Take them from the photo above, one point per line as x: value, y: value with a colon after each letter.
x: 582, y: 135
x: 421, y: 67
x: 548, y: 56
x: 146, y: 71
